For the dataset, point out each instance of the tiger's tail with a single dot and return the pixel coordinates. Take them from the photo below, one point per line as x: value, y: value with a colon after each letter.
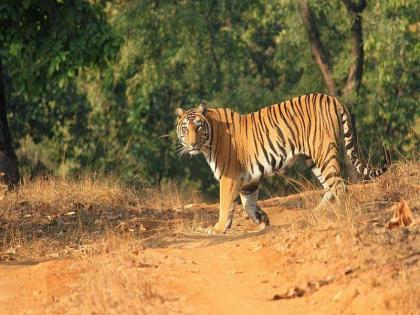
x: 365, y: 170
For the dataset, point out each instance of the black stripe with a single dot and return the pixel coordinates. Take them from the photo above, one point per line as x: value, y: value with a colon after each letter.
x: 246, y: 126
x: 279, y: 131
x: 330, y: 175
x: 248, y: 189
x: 261, y: 136
x: 292, y: 147
x: 260, y: 167
x: 292, y: 118
x: 287, y: 124
x: 301, y: 115
x: 281, y: 162
x: 233, y: 121
x: 263, y: 126
x: 281, y: 148
x: 227, y: 120
x: 330, y: 121
x: 270, y: 116
x: 265, y: 154
x: 273, y: 162
x: 325, y: 164
x: 308, y: 132
x: 252, y: 164
x: 271, y: 145
x: 211, y: 139
x: 253, y: 134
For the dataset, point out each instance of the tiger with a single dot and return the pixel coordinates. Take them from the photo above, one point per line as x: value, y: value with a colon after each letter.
x: 243, y: 149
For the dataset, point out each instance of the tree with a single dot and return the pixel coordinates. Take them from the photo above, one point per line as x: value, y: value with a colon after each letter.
x: 355, y: 72
x: 8, y: 159
x: 44, y: 43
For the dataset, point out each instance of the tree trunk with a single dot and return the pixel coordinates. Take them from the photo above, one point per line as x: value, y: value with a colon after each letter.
x: 354, y: 78
x: 9, y: 171
x: 317, y: 48
x: 355, y: 73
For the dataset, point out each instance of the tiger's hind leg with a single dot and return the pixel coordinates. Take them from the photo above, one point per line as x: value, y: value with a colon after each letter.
x: 328, y: 174
x: 249, y: 199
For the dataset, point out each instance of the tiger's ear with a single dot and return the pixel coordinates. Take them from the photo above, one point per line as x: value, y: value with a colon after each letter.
x: 179, y: 112
x: 202, y: 108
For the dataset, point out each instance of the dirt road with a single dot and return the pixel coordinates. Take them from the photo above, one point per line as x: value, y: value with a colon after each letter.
x: 284, y: 269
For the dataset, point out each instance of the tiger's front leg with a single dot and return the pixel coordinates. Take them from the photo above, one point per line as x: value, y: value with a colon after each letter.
x: 229, y: 191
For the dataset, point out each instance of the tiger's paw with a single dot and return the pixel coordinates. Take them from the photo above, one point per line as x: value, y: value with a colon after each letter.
x: 220, y: 228
x: 215, y: 231
x: 262, y: 218
x: 254, y: 228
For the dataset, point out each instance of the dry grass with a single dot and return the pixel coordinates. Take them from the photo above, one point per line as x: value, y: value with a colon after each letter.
x: 365, y: 200
x: 50, y: 218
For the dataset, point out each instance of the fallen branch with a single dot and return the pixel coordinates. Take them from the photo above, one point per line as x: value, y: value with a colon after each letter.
x: 311, y: 287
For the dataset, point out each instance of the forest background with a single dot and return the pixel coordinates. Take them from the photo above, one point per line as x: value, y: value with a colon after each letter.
x: 93, y: 85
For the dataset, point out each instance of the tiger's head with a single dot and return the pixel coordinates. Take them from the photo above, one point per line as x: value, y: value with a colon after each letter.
x: 193, y: 129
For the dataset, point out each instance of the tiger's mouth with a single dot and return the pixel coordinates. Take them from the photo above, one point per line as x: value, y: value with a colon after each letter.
x: 194, y: 152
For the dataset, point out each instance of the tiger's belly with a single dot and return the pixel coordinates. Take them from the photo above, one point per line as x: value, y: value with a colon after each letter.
x: 263, y: 168
x: 259, y: 168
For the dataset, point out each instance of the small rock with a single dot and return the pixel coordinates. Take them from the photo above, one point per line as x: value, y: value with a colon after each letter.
x: 355, y: 293
x: 337, y: 296
x: 338, y: 239
x: 233, y: 272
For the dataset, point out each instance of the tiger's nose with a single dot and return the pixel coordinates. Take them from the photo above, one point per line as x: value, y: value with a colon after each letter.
x: 193, y: 143
x: 192, y: 140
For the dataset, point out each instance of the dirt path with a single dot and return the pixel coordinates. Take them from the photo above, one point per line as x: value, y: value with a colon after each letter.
x: 29, y: 288
x: 230, y: 274
x: 240, y: 273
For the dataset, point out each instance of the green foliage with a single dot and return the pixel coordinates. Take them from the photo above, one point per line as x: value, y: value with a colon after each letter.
x: 44, y: 45
x: 97, y: 84
x: 391, y: 82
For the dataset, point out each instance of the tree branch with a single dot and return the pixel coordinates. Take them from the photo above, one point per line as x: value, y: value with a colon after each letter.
x: 354, y: 78
x: 356, y: 8
x: 316, y: 46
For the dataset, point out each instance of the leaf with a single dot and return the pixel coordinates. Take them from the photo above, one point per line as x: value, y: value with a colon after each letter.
x: 403, y: 216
